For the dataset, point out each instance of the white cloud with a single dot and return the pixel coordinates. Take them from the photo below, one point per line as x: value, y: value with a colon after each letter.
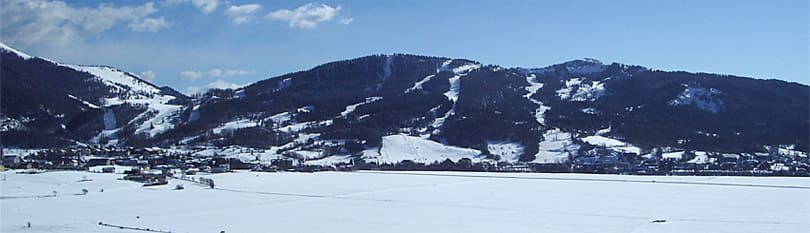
x: 219, y: 84
x: 346, y: 21
x: 149, y: 24
x: 205, y: 6
x: 240, y: 14
x: 306, y: 16
x: 148, y: 75
x: 190, y: 75
x: 194, y: 75
x: 50, y: 22
x: 222, y: 84
x: 238, y: 72
x: 191, y: 90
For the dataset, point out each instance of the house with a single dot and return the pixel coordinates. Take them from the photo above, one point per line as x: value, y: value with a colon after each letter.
x: 729, y: 158
x: 100, y: 161
x: 126, y: 161
x: 12, y: 160
x: 222, y: 168
x: 148, y: 178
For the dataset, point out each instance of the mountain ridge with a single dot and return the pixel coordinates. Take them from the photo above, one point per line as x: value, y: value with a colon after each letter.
x: 347, y: 107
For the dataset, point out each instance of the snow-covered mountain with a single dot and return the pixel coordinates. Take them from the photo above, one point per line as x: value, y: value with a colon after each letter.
x: 407, y: 107
x: 50, y: 103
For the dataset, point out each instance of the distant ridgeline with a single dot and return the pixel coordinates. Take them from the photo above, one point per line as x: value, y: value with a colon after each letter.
x: 436, y: 107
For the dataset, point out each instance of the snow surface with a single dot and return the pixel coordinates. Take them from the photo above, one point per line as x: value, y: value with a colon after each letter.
x: 455, y: 88
x: 706, y: 99
x: 790, y: 150
x: 159, y: 116
x: 577, y: 90
x: 162, y: 120
x: 307, y: 155
x: 612, y: 143
x: 242, y: 153
x: 555, y: 147
x: 466, y: 68
x: 233, y: 125
x: 330, y: 160
x: 453, y: 92
x: 297, y: 127
x: 397, y: 202
x: 195, y: 113
x: 371, y: 154
x: 604, y: 131
x: 673, y: 155
x: 534, y: 86
x: 128, y: 88
x: 396, y: 148
x: 240, y: 93
x: 281, y: 117
x: 118, y: 79
x: 349, y: 109
x: 91, y: 105
x: 507, y: 151
x: 418, y: 85
x: 591, y: 111
x: 701, y: 157
x: 21, y: 152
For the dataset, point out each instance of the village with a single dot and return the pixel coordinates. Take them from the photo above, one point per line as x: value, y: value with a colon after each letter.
x: 152, y: 165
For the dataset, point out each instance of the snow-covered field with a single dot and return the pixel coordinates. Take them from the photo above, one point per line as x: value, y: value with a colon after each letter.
x: 407, y: 202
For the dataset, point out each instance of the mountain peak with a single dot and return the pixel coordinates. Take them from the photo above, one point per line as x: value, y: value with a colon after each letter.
x: 585, y: 60
x: 577, y: 67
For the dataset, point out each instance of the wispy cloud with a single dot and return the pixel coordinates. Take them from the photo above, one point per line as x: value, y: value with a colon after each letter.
x: 307, y: 16
x: 205, y: 6
x: 240, y: 14
x: 194, y: 75
x: 57, y: 23
x: 219, y: 84
x: 222, y: 84
x: 148, y: 75
x: 191, y: 90
x: 346, y: 21
x: 149, y: 24
x: 191, y: 75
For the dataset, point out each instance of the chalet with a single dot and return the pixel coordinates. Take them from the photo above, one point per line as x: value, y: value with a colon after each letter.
x: 148, y: 178
x: 108, y: 169
x: 596, y: 160
x: 126, y: 162
x: 515, y: 168
x: 235, y: 163
x: 12, y: 160
x: 191, y: 171
x: 222, y: 168
x: 283, y: 164
x: 97, y: 161
x: 728, y: 158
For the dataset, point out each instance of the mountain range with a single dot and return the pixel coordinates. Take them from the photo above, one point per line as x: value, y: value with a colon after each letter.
x: 445, y: 106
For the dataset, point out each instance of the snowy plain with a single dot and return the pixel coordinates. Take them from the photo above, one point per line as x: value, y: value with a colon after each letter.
x: 375, y: 201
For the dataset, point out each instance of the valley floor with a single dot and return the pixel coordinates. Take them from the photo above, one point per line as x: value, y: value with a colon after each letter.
x: 406, y: 202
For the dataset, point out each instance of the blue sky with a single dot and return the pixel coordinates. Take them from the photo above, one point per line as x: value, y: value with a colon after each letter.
x: 195, y: 44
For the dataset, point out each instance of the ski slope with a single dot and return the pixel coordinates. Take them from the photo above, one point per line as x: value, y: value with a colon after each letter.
x: 407, y: 202
x: 396, y: 148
